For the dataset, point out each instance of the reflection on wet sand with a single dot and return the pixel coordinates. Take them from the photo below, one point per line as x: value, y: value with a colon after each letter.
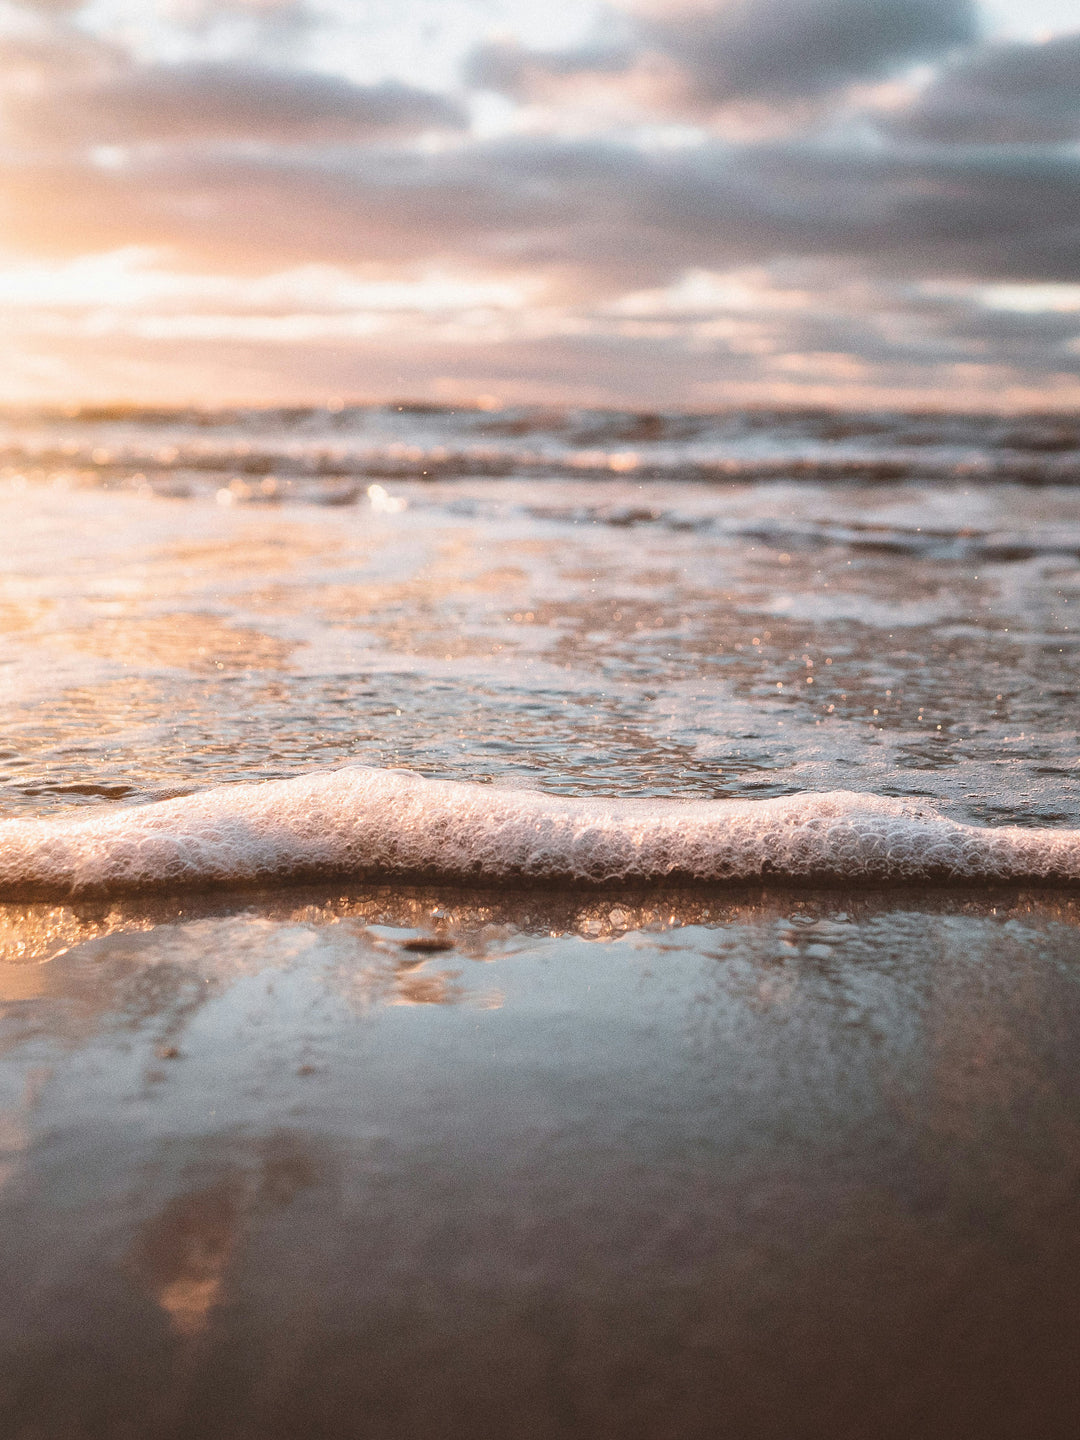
x: 478, y: 1164
x: 182, y: 1254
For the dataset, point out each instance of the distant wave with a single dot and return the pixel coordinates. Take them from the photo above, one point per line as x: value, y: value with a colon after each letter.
x: 320, y: 473
x: 1044, y: 432
x: 377, y: 824
x: 329, y: 456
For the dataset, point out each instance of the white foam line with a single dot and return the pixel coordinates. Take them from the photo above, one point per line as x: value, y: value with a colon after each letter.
x: 368, y: 823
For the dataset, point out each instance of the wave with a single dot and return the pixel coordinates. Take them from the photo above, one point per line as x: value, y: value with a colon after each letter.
x: 328, y: 456
x: 319, y: 474
x: 377, y: 824
x: 1042, y: 432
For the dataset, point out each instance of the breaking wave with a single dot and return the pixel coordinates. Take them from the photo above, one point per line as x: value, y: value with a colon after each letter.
x: 365, y: 823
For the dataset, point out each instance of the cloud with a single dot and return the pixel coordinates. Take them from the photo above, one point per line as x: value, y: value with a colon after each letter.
x: 509, y: 68
x: 710, y: 55
x: 278, y: 28
x: 596, y: 216
x: 63, y: 86
x: 196, y: 12
x: 219, y: 101
x: 830, y: 340
x: 237, y: 159
x: 1000, y: 94
x: 792, y: 49
x: 51, y: 7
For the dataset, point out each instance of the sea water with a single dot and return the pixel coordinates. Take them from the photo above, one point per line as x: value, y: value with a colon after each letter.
x: 609, y: 605
x: 638, y: 994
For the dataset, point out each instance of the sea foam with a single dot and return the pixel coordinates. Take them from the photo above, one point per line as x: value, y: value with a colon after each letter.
x: 387, y: 823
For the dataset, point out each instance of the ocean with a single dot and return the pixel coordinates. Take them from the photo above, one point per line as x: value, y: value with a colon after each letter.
x: 539, y: 923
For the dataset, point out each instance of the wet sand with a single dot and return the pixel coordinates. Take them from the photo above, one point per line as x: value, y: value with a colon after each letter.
x: 436, y: 1163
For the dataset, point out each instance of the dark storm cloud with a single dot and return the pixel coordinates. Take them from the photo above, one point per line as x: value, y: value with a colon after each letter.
x: 176, y: 103
x: 1002, y: 94
x: 772, y: 50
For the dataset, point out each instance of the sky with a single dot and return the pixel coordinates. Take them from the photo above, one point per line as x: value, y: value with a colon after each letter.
x: 652, y: 203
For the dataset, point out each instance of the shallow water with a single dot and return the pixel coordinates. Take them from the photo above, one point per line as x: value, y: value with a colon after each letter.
x: 614, y: 634
x: 642, y: 1163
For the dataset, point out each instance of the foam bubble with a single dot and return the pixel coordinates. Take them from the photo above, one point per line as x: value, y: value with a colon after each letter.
x: 375, y: 823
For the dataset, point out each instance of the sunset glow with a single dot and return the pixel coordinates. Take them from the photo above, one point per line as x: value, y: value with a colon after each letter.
x: 271, y: 199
